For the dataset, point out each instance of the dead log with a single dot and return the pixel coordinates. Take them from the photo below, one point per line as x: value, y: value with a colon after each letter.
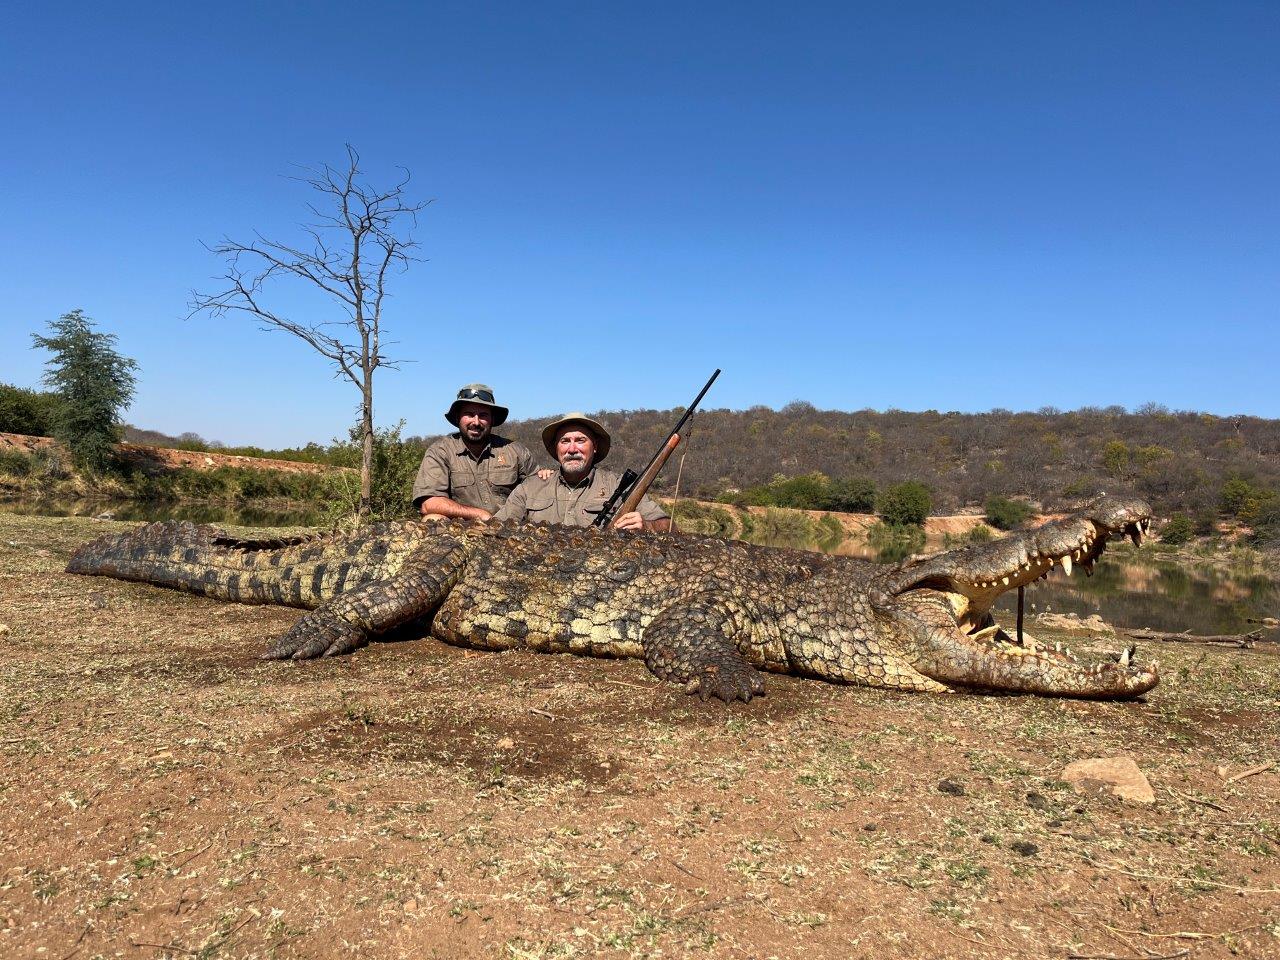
x: 1243, y: 641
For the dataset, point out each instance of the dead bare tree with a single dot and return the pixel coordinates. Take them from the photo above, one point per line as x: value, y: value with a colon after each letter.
x: 360, y: 236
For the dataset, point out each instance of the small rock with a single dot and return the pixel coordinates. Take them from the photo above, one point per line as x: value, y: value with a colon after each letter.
x: 4, y: 628
x: 411, y: 906
x: 1114, y: 776
x: 1024, y: 847
x: 870, y: 827
x: 506, y: 743
x: 1037, y: 801
x: 951, y: 787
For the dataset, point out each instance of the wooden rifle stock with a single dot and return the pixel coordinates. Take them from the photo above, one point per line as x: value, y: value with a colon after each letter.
x: 646, y: 479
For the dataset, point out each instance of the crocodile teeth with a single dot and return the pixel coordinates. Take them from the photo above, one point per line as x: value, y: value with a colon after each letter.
x: 1005, y: 581
x: 1066, y: 565
x: 1127, y: 656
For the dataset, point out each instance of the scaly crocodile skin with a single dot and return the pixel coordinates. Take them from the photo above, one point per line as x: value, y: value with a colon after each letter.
x: 708, y: 614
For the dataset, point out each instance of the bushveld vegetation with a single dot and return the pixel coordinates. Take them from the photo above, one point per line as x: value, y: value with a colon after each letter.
x: 1202, y: 466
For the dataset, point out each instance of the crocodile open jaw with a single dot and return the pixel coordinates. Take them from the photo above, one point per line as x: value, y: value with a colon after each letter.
x: 969, y: 581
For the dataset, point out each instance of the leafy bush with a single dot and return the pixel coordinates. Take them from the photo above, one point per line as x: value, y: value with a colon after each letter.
x: 694, y: 517
x: 851, y: 495
x: 1006, y: 514
x: 395, y: 464
x: 905, y: 504
x: 15, y: 463
x: 1266, y: 523
x: 980, y: 534
x: 812, y: 491
x: 1178, y: 530
x: 30, y: 412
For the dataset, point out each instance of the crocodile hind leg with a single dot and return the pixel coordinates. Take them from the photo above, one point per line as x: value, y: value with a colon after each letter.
x: 348, y: 621
x: 692, y: 643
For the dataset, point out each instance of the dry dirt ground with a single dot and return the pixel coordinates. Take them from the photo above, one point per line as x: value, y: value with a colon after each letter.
x: 165, y: 794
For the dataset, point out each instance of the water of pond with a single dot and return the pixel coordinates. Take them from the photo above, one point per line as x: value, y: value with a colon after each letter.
x: 1133, y: 589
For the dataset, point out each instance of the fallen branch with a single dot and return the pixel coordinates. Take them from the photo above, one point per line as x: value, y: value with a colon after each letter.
x: 1252, y: 771
x: 1240, y: 640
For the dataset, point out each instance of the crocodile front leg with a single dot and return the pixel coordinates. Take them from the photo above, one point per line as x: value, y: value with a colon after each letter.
x: 694, y: 643
x: 348, y: 621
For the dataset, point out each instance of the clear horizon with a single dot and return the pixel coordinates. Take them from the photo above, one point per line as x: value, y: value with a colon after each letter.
x: 911, y: 208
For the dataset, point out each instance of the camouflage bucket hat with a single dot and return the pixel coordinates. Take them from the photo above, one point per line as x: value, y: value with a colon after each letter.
x: 477, y: 393
x: 594, y: 427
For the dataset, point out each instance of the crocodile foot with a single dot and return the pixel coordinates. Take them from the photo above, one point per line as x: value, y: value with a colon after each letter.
x: 317, y: 634
x: 728, y: 680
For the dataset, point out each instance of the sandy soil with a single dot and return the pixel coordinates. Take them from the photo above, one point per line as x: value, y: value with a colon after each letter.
x: 165, y: 794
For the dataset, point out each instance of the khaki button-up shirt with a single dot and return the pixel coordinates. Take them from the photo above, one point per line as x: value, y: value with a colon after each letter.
x: 449, y: 470
x: 555, y: 501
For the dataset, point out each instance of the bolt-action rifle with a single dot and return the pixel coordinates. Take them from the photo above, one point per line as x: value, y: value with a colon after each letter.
x: 633, y: 486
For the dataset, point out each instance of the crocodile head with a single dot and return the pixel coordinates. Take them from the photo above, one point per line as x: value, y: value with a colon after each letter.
x: 943, y: 606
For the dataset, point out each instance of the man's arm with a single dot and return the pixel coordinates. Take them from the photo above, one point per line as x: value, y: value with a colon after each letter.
x: 444, y: 507
x: 431, y: 488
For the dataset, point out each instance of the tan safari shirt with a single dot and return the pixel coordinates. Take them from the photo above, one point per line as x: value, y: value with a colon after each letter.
x: 554, y: 501
x: 448, y: 470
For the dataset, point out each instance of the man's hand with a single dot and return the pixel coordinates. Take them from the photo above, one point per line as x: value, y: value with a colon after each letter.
x: 545, y: 473
x: 629, y: 521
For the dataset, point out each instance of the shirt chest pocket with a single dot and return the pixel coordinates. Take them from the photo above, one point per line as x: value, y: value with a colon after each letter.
x: 503, y: 477
x: 542, y: 509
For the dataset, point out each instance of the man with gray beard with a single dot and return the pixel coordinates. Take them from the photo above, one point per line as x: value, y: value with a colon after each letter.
x: 575, y: 495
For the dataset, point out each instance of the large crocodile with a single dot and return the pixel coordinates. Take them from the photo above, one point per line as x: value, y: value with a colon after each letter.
x: 705, y: 613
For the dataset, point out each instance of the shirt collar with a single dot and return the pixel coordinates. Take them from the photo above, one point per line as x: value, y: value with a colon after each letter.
x: 582, y: 484
x: 464, y: 452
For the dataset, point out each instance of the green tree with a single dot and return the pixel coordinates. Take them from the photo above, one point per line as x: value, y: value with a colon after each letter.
x: 1237, y: 493
x: 1115, y: 457
x: 94, y: 385
x: 905, y: 504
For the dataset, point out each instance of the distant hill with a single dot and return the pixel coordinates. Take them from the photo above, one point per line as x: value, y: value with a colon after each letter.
x: 1178, y: 460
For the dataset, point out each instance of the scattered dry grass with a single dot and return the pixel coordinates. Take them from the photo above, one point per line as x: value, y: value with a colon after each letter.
x: 166, y: 794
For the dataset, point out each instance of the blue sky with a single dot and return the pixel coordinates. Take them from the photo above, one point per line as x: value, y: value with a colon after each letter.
x: 923, y: 206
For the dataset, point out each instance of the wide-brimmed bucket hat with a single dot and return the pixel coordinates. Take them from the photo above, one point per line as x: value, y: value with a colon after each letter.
x: 477, y: 393
x: 594, y: 427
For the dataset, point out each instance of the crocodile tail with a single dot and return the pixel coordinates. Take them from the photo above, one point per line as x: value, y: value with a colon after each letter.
x: 181, y: 555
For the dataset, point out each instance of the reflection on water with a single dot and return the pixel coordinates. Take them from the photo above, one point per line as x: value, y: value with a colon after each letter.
x: 1128, y: 590
x: 1146, y: 591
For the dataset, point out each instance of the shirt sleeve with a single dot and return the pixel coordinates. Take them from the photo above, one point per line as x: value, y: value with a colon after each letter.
x: 649, y: 509
x: 433, y: 475
x: 526, y: 466
x: 516, y: 506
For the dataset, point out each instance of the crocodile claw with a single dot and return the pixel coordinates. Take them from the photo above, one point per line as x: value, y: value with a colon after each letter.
x: 727, y: 682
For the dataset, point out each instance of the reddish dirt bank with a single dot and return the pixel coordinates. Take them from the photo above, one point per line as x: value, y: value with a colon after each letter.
x: 166, y: 458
